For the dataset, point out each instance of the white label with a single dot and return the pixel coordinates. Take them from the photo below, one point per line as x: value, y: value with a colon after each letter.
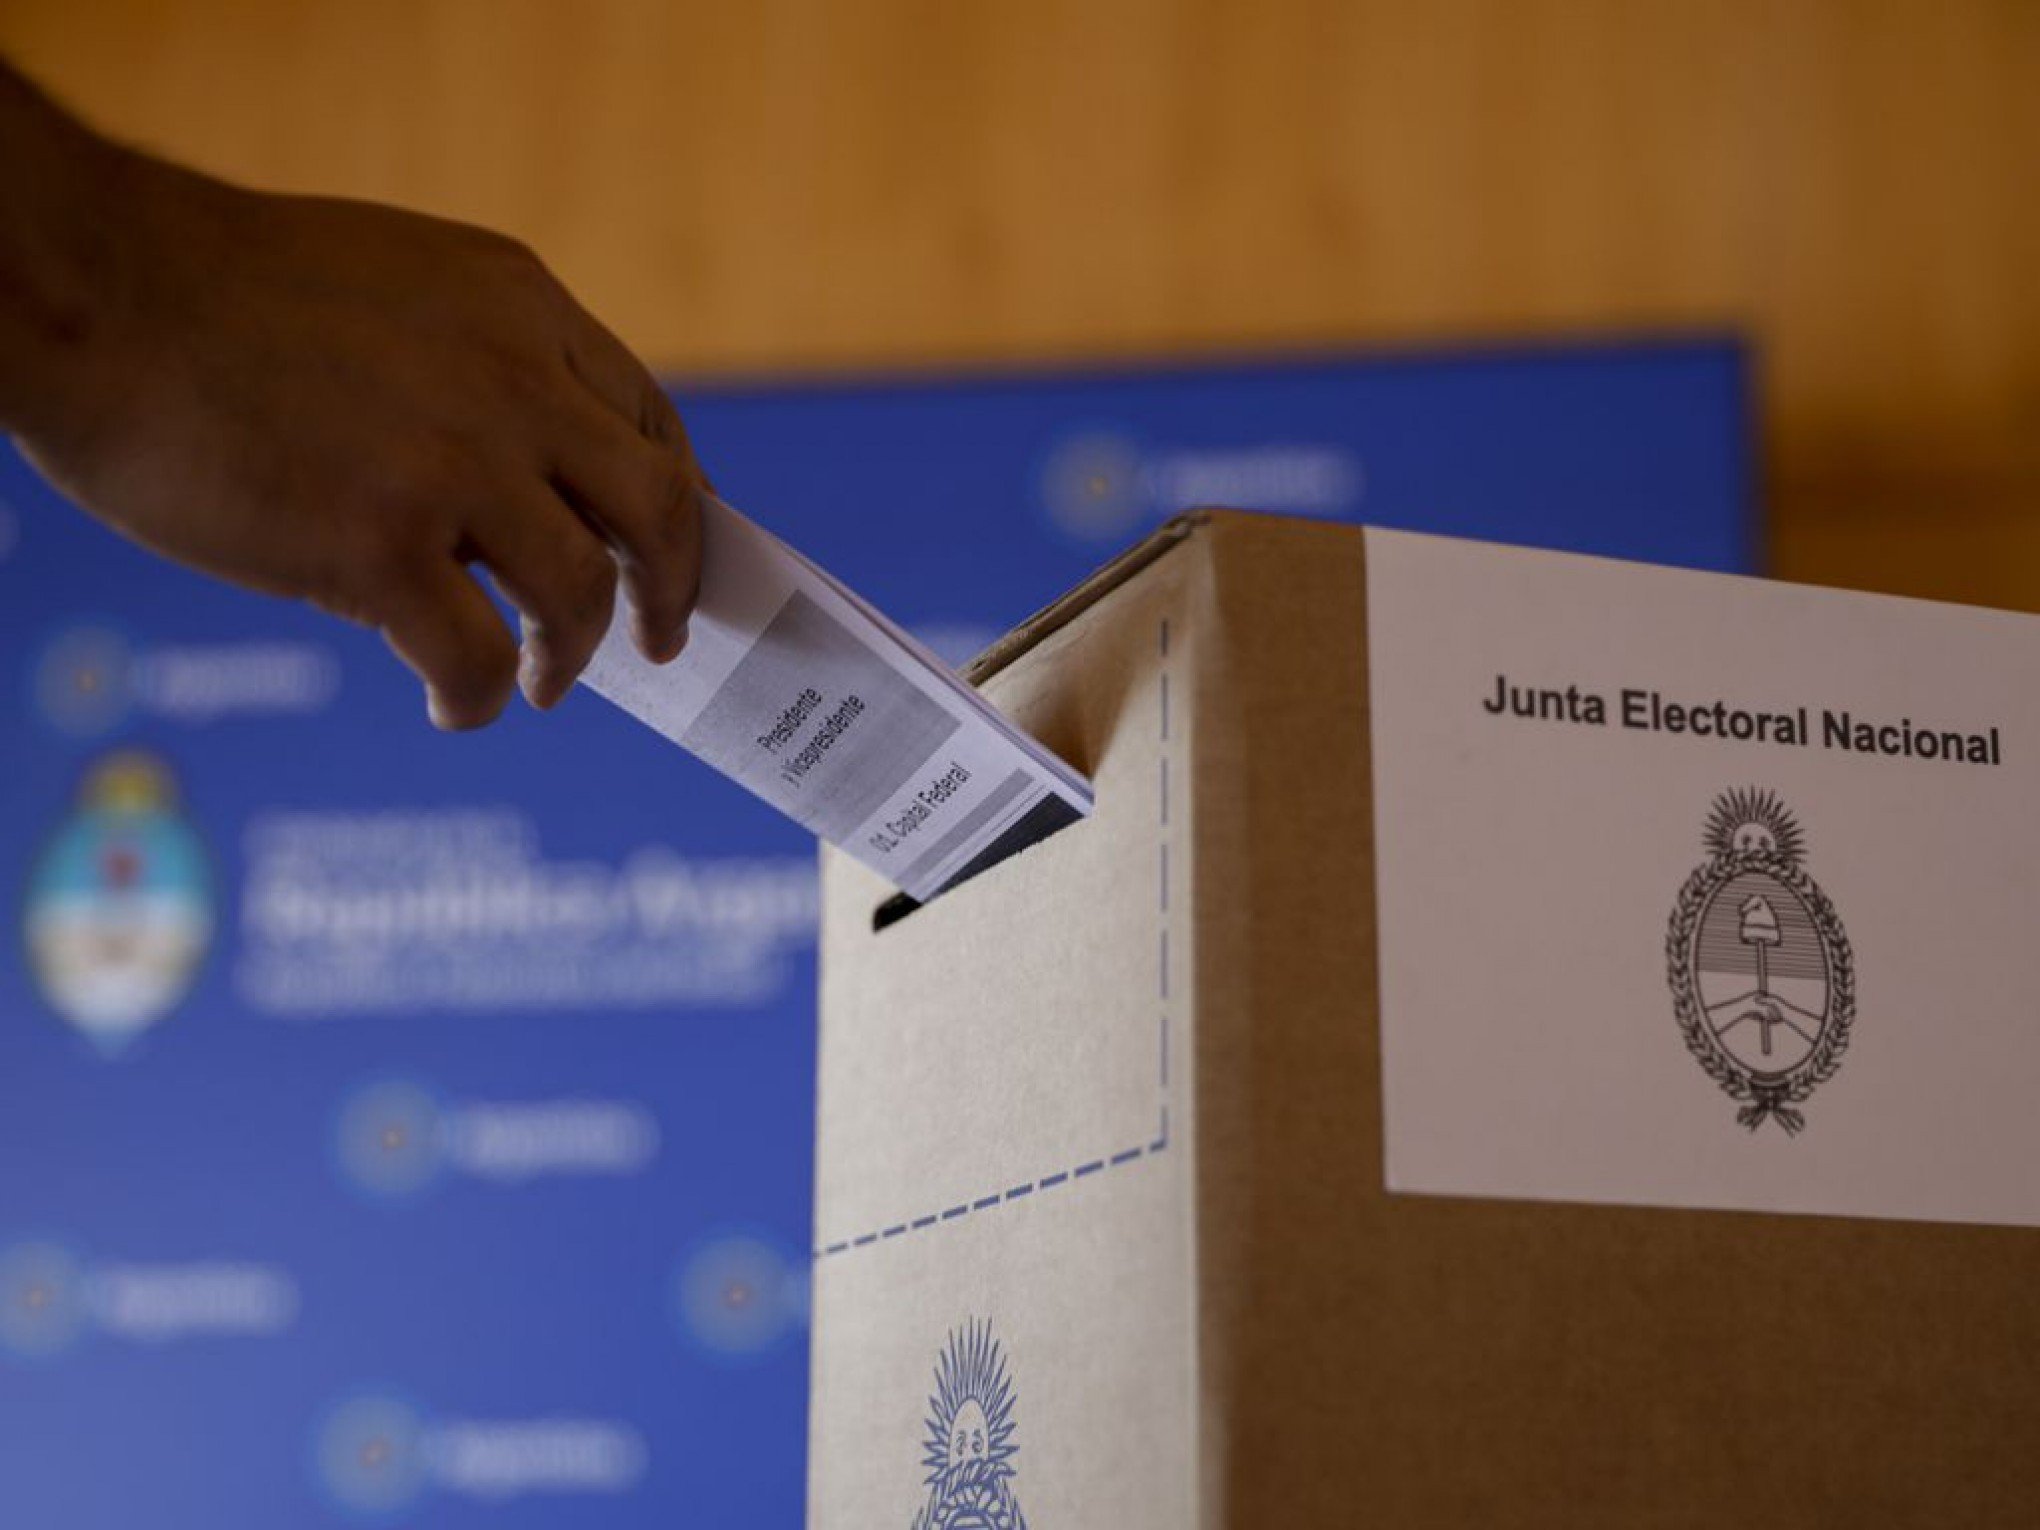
x: 804, y: 694
x: 1702, y: 891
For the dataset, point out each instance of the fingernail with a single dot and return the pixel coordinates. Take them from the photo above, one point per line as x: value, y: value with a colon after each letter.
x: 531, y: 674
x: 658, y: 649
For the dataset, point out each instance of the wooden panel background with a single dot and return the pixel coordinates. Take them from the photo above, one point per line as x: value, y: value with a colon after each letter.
x: 798, y: 183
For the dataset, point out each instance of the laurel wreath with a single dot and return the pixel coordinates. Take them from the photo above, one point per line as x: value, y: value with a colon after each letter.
x: 1770, y: 1098
x: 988, y: 1499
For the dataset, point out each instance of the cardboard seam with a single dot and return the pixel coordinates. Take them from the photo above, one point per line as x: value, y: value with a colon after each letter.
x: 1058, y: 614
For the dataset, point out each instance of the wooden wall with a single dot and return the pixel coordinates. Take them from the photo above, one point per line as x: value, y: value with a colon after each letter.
x: 795, y: 183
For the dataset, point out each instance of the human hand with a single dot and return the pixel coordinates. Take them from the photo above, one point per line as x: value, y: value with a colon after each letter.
x: 350, y: 404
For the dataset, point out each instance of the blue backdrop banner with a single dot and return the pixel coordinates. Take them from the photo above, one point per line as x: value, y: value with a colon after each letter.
x: 397, y: 1127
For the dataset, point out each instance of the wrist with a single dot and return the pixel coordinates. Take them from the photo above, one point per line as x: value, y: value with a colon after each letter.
x: 66, y: 267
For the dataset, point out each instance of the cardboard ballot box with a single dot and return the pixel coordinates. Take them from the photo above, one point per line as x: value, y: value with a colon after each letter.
x: 1522, y: 1040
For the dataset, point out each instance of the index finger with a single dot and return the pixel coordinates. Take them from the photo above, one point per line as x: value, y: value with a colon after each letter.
x: 658, y: 542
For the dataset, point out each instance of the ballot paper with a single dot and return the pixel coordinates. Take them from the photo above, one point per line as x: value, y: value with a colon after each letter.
x: 800, y: 691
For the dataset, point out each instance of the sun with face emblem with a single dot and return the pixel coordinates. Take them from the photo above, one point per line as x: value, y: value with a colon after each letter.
x: 1748, y: 820
x: 969, y: 1448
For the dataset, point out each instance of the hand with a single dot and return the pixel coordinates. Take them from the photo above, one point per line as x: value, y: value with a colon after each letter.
x: 350, y: 404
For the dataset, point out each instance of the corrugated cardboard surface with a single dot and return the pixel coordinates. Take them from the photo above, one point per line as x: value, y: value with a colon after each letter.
x: 1358, y: 1358
x: 995, y: 1146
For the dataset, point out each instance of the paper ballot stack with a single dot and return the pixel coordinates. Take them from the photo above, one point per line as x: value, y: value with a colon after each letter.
x: 799, y: 690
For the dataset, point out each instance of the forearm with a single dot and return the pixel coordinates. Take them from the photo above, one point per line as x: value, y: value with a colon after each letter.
x: 340, y: 403
x: 61, y: 274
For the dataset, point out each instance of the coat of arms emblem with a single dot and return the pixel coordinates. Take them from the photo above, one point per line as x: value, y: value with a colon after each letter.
x: 1761, y: 976
x: 120, y: 904
x: 969, y: 1447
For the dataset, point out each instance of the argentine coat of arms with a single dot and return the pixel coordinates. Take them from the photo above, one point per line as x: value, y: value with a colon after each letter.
x: 1762, y: 980
x: 969, y: 1447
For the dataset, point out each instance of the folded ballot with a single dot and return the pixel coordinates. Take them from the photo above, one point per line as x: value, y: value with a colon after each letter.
x: 802, y: 692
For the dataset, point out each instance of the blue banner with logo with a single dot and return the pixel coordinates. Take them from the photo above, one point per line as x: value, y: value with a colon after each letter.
x: 397, y: 1127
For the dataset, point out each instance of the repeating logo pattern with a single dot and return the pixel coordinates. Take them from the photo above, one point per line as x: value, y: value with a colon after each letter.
x: 52, y: 1296
x: 84, y: 681
x: 389, y: 1140
x: 1091, y: 486
x: 377, y: 1457
x: 1100, y: 486
x: 1763, y: 983
x: 42, y: 1300
x: 91, y: 680
x: 969, y: 1448
x: 394, y: 1138
x: 370, y: 1454
x: 735, y: 1296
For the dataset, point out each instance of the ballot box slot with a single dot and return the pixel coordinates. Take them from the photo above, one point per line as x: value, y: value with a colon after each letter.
x: 892, y: 911
x: 1048, y: 815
